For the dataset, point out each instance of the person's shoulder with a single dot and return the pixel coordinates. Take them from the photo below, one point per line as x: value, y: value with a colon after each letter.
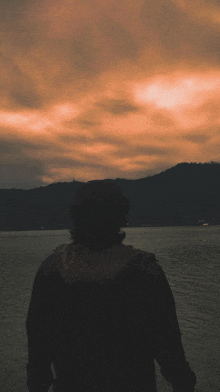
x: 51, y: 263
x: 151, y: 264
x: 147, y: 261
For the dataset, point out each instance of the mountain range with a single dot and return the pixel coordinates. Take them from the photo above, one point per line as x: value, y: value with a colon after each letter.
x: 185, y: 194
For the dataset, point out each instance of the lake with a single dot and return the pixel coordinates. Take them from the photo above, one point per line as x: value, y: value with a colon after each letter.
x: 190, y: 258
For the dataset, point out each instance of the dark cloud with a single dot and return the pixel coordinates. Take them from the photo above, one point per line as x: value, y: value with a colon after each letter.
x: 23, y: 172
x: 29, y: 99
x: 120, y: 41
x: 16, y: 147
x: 117, y: 106
x: 19, y: 86
x: 152, y: 150
x: 83, y: 53
x: 84, y: 122
x: 17, y: 168
x: 197, y: 138
x: 164, y: 22
x: 179, y: 37
x: 24, y: 175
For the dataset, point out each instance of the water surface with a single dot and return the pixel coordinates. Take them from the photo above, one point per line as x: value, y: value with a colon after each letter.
x: 190, y: 258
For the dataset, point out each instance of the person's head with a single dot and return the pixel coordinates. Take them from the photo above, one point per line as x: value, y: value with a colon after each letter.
x: 98, y: 213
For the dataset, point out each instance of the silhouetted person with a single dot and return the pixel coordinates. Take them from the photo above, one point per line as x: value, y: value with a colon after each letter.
x: 101, y: 311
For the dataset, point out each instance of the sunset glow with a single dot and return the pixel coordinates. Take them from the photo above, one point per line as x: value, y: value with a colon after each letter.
x: 97, y: 89
x: 180, y: 92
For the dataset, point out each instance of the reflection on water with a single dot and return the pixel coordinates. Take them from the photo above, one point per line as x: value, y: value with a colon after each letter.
x: 190, y: 258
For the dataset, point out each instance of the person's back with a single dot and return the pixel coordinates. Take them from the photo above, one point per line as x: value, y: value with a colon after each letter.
x: 101, y: 312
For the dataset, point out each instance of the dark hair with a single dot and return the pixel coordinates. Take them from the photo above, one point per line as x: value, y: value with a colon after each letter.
x: 98, y: 213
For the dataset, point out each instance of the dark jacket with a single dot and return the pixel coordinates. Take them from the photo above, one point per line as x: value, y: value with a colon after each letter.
x: 104, y: 337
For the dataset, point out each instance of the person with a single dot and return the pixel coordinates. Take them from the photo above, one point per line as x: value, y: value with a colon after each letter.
x: 100, y: 311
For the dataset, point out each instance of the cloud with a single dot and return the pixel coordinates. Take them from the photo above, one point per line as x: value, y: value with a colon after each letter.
x: 18, y: 88
x: 97, y: 89
x: 117, y: 106
x: 17, y: 169
x: 197, y: 138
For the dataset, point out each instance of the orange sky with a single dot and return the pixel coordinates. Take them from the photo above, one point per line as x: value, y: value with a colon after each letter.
x: 96, y: 89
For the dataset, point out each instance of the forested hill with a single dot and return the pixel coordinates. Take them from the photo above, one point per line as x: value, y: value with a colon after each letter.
x: 186, y: 194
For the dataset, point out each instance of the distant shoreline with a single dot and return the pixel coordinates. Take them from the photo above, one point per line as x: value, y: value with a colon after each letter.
x: 124, y: 228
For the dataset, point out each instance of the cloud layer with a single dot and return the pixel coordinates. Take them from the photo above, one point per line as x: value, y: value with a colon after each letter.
x: 105, y: 89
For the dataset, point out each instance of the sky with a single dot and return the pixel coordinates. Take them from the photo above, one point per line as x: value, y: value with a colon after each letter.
x: 96, y: 89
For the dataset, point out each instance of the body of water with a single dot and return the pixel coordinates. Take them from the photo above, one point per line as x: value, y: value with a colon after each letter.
x: 190, y: 258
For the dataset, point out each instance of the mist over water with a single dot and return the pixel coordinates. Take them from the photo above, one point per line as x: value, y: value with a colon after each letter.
x: 190, y: 258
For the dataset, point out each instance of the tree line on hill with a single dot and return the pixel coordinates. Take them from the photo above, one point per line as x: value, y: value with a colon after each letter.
x: 186, y: 194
